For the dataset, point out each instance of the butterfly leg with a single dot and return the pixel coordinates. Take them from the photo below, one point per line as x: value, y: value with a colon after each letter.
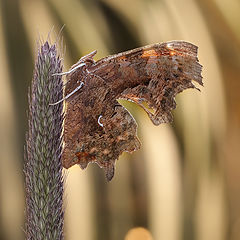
x: 70, y: 71
x: 69, y: 95
x: 82, y: 62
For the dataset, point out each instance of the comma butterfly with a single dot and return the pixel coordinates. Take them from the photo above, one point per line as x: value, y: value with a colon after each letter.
x: 97, y: 128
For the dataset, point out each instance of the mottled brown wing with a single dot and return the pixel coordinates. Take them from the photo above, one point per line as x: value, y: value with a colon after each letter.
x: 98, y: 129
x: 154, y: 74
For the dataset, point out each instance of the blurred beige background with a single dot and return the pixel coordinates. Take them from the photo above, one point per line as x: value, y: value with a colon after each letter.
x: 184, y: 182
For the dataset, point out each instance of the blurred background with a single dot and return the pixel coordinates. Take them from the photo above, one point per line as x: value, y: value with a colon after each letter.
x: 184, y: 182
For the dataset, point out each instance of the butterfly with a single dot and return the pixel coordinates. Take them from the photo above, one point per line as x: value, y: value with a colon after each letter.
x: 97, y: 129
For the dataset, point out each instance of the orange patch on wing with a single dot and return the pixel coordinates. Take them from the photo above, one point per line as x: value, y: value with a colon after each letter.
x: 172, y: 53
x: 149, y: 53
x: 84, y: 155
x: 123, y: 57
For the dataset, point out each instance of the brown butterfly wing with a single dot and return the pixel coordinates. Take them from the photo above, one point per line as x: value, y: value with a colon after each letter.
x: 98, y: 129
x: 154, y: 74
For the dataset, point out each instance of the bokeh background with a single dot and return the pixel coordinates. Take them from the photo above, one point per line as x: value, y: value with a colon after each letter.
x: 184, y: 183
